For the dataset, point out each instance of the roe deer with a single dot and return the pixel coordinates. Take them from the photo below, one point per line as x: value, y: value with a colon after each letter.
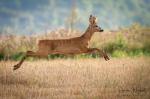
x: 75, y: 45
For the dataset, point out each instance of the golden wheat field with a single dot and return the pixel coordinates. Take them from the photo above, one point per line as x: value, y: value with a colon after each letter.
x: 124, y: 78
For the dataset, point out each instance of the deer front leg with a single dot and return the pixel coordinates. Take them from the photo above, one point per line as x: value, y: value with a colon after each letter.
x: 91, y: 50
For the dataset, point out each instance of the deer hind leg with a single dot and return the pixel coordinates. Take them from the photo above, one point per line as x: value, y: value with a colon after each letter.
x: 91, y: 50
x: 29, y: 53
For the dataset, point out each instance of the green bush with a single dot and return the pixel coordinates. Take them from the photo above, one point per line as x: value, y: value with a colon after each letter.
x: 56, y: 56
x: 17, y: 56
x: 119, y: 43
x: 126, y: 42
x: 119, y: 53
x: 1, y: 56
x: 135, y: 52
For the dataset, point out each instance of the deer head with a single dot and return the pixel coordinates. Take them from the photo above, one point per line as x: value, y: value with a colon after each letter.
x: 93, y: 24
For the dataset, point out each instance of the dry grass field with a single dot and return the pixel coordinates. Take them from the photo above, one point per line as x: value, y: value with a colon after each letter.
x: 125, y: 78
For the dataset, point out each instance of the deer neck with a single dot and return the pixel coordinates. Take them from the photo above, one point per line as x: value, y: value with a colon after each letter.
x: 88, y: 34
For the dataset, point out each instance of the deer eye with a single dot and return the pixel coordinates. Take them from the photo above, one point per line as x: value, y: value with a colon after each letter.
x: 96, y: 26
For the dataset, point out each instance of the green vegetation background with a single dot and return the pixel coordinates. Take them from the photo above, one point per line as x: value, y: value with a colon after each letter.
x: 131, y: 41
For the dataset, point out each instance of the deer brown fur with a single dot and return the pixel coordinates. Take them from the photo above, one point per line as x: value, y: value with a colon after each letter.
x: 75, y: 45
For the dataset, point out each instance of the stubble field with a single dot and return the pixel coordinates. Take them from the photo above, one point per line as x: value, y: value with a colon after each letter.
x: 124, y: 78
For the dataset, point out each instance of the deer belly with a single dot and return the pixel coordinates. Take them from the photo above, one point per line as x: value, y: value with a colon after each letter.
x: 67, y: 50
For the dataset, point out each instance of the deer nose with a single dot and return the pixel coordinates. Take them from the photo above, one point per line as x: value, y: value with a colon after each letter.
x: 101, y: 30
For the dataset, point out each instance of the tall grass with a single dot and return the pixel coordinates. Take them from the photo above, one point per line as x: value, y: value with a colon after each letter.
x: 123, y: 78
x: 129, y: 41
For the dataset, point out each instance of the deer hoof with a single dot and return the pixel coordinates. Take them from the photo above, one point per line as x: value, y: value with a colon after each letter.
x: 106, y: 58
x: 16, y: 66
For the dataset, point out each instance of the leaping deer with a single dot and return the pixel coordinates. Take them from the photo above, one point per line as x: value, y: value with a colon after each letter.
x: 75, y: 45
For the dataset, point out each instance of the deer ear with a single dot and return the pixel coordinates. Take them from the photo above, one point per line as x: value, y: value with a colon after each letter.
x: 96, y: 20
x: 90, y: 15
x: 92, y: 20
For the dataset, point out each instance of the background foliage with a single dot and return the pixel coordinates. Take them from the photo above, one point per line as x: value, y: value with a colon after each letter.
x: 126, y: 42
x: 26, y: 17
